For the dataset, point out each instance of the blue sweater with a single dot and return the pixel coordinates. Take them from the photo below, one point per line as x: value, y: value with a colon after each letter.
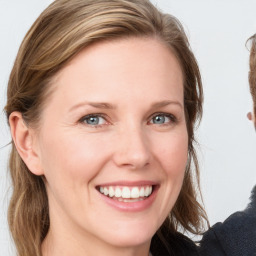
x: 236, y: 236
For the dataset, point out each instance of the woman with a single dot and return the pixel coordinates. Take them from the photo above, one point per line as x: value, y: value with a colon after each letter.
x: 102, y: 104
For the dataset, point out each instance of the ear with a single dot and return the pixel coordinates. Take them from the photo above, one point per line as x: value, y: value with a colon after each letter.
x: 249, y: 115
x: 24, y: 139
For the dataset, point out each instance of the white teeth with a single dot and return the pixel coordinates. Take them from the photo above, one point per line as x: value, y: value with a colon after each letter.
x: 118, y: 192
x: 146, y: 191
x: 126, y: 193
x: 105, y: 191
x: 135, y: 193
x: 111, y: 192
x: 142, y: 192
x: 129, y: 193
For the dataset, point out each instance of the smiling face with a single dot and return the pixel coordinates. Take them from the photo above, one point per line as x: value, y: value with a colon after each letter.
x: 113, y: 145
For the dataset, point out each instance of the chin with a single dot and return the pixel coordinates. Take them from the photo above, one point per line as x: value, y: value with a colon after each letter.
x: 130, y: 240
x: 131, y: 236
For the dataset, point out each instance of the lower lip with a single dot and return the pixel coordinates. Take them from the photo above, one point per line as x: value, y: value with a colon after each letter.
x: 131, y: 206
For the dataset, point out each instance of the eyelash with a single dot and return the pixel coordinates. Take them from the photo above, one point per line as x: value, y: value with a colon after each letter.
x: 83, y: 120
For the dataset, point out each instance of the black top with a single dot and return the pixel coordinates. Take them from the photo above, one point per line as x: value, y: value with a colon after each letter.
x: 236, y: 236
x: 175, y: 245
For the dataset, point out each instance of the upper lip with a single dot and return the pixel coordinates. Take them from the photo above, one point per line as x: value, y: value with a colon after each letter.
x: 128, y: 183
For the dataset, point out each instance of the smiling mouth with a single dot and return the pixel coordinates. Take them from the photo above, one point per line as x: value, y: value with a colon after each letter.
x: 125, y: 193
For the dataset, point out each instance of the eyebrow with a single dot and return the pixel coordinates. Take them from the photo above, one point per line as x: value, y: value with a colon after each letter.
x: 100, y: 105
x: 104, y: 105
x: 166, y: 103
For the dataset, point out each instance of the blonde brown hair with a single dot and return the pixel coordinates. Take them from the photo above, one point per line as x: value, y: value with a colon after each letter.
x: 60, y: 32
x: 252, y: 72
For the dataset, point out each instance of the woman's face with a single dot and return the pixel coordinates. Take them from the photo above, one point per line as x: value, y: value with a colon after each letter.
x: 113, y: 143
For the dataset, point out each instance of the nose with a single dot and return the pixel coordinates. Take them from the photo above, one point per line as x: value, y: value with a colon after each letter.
x: 132, y: 151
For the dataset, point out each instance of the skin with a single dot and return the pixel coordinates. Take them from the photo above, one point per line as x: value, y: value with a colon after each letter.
x: 251, y: 116
x: 139, y: 81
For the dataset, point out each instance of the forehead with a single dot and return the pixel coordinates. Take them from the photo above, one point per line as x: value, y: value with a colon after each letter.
x: 127, y: 67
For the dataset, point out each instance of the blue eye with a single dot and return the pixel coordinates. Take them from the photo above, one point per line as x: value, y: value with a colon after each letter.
x: 159, y: 119
x: 162, y: 119
x: 93, y: 120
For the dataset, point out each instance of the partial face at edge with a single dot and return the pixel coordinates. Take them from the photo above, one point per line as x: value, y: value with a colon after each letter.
x: 114, y: 124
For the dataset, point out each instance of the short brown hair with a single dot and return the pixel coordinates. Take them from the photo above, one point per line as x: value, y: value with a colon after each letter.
x: 252, y: 72
x: 62, y: 31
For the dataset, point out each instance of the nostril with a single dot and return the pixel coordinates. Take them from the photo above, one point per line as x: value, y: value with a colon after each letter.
x: 131, y: 160
x: 132, y: 150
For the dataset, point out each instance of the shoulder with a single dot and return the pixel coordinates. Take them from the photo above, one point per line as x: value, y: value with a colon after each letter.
x: 173, y: 244
x: 235, y: 236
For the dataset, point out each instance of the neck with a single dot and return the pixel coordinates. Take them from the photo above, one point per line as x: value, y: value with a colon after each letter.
x: 72, y: 236
x: 69, y: 239
x: 60, y: 246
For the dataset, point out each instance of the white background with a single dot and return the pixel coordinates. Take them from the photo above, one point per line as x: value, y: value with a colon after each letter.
x: 217, y: 30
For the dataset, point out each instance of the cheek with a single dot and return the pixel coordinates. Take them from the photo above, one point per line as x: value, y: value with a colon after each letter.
x: 72, y: 157
x: 172, y: 153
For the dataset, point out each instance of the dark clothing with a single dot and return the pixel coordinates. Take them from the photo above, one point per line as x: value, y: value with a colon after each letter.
x: 236, y: 236
x: 174, y: 245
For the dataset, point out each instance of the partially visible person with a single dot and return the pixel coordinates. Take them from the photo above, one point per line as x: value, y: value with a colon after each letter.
x: 236, y: 236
